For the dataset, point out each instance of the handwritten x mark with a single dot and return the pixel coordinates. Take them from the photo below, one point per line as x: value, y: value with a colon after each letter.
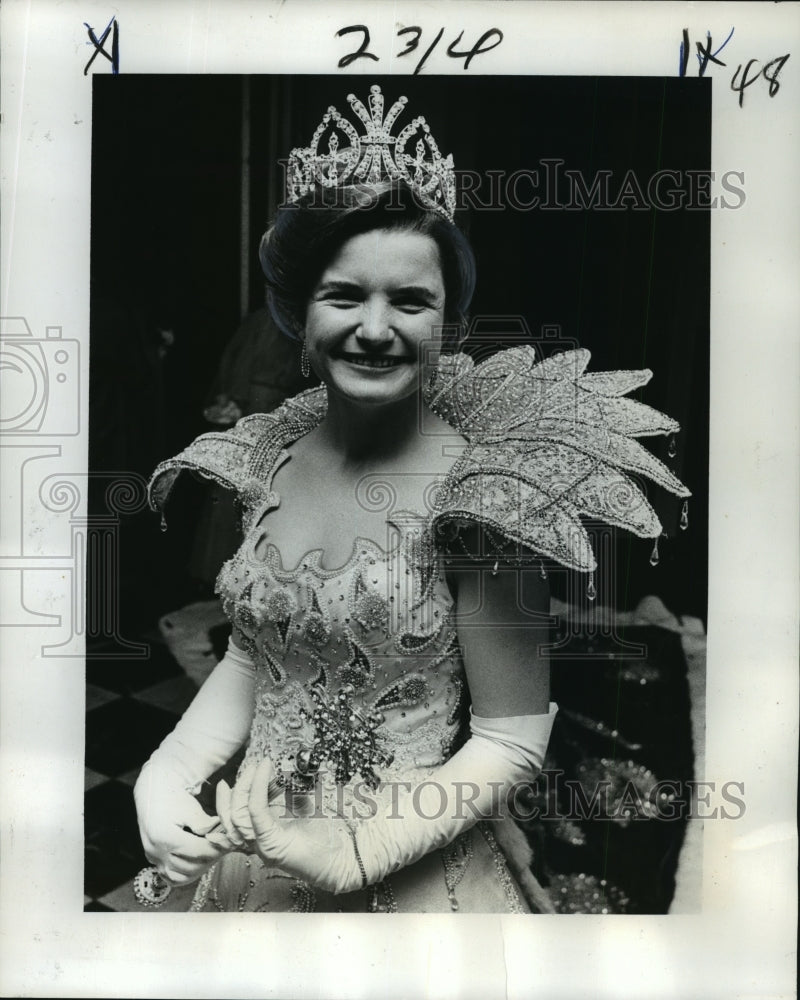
x: 98, y: 45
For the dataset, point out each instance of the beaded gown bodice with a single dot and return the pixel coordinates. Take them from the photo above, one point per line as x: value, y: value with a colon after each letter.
x: 357, y: 668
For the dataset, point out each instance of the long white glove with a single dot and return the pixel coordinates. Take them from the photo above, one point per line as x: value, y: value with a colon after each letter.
x: 472, y: 785
x: 172, y: 823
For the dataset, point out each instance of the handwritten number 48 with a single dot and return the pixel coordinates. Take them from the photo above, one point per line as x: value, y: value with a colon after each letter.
x: 489, y: 40
x: 769, y: 72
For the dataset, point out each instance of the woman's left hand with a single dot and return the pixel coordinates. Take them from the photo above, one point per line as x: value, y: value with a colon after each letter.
x: 316, y: 848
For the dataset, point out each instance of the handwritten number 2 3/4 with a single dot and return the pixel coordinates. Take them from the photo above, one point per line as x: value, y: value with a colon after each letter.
x: 489, y: 40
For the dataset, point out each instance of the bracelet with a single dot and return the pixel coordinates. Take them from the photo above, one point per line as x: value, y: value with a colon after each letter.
x: 149, y: 888
x: 359, y: 861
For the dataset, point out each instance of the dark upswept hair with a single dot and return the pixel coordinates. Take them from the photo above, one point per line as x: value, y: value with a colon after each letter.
x: 307, y: 234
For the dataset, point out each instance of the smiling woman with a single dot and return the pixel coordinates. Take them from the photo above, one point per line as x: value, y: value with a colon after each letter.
x: 378, y: 304
x: 309, y: 231
x: 386, y: 671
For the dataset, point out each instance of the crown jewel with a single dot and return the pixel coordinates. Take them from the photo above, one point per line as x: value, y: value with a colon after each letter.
x: 338, y: 155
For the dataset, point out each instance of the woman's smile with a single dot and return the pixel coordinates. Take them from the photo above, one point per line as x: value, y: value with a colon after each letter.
x: 374, y: 362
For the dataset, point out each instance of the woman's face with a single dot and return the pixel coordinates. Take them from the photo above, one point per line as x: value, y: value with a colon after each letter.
x: 375, y: 306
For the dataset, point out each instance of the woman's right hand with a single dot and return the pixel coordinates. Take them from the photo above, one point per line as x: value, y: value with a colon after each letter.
x: 174, y: 827
x: 288, y: 832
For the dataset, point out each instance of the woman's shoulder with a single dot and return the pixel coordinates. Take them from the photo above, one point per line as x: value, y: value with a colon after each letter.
x: 235, y: 457
x: 549, y: 444
x: 440, y: 444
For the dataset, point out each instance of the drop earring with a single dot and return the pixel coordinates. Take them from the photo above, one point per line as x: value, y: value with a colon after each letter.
x: 305, y: 366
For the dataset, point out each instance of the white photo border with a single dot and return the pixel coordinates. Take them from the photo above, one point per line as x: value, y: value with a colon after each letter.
x: 743, y: 942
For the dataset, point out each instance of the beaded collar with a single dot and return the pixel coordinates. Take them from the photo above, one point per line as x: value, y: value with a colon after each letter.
x: 548, y: 444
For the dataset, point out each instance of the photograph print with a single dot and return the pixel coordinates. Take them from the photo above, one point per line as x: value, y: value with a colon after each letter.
x: 406, y: 380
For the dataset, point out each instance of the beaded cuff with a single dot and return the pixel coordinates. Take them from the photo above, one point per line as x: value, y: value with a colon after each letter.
x: 548, y: 445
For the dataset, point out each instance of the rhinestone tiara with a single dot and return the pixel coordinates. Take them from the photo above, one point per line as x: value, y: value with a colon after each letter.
x: 377, y: 155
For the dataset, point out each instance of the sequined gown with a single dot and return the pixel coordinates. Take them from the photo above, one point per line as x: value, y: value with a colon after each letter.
x: 358, y: 671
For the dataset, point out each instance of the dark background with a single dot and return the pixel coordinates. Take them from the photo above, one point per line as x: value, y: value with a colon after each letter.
x: 167, y: 225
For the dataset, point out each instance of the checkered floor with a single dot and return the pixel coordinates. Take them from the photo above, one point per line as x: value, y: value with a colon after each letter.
x: 130, y: 706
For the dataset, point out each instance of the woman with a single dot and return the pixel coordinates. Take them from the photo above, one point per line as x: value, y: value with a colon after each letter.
x: 383, y: 668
